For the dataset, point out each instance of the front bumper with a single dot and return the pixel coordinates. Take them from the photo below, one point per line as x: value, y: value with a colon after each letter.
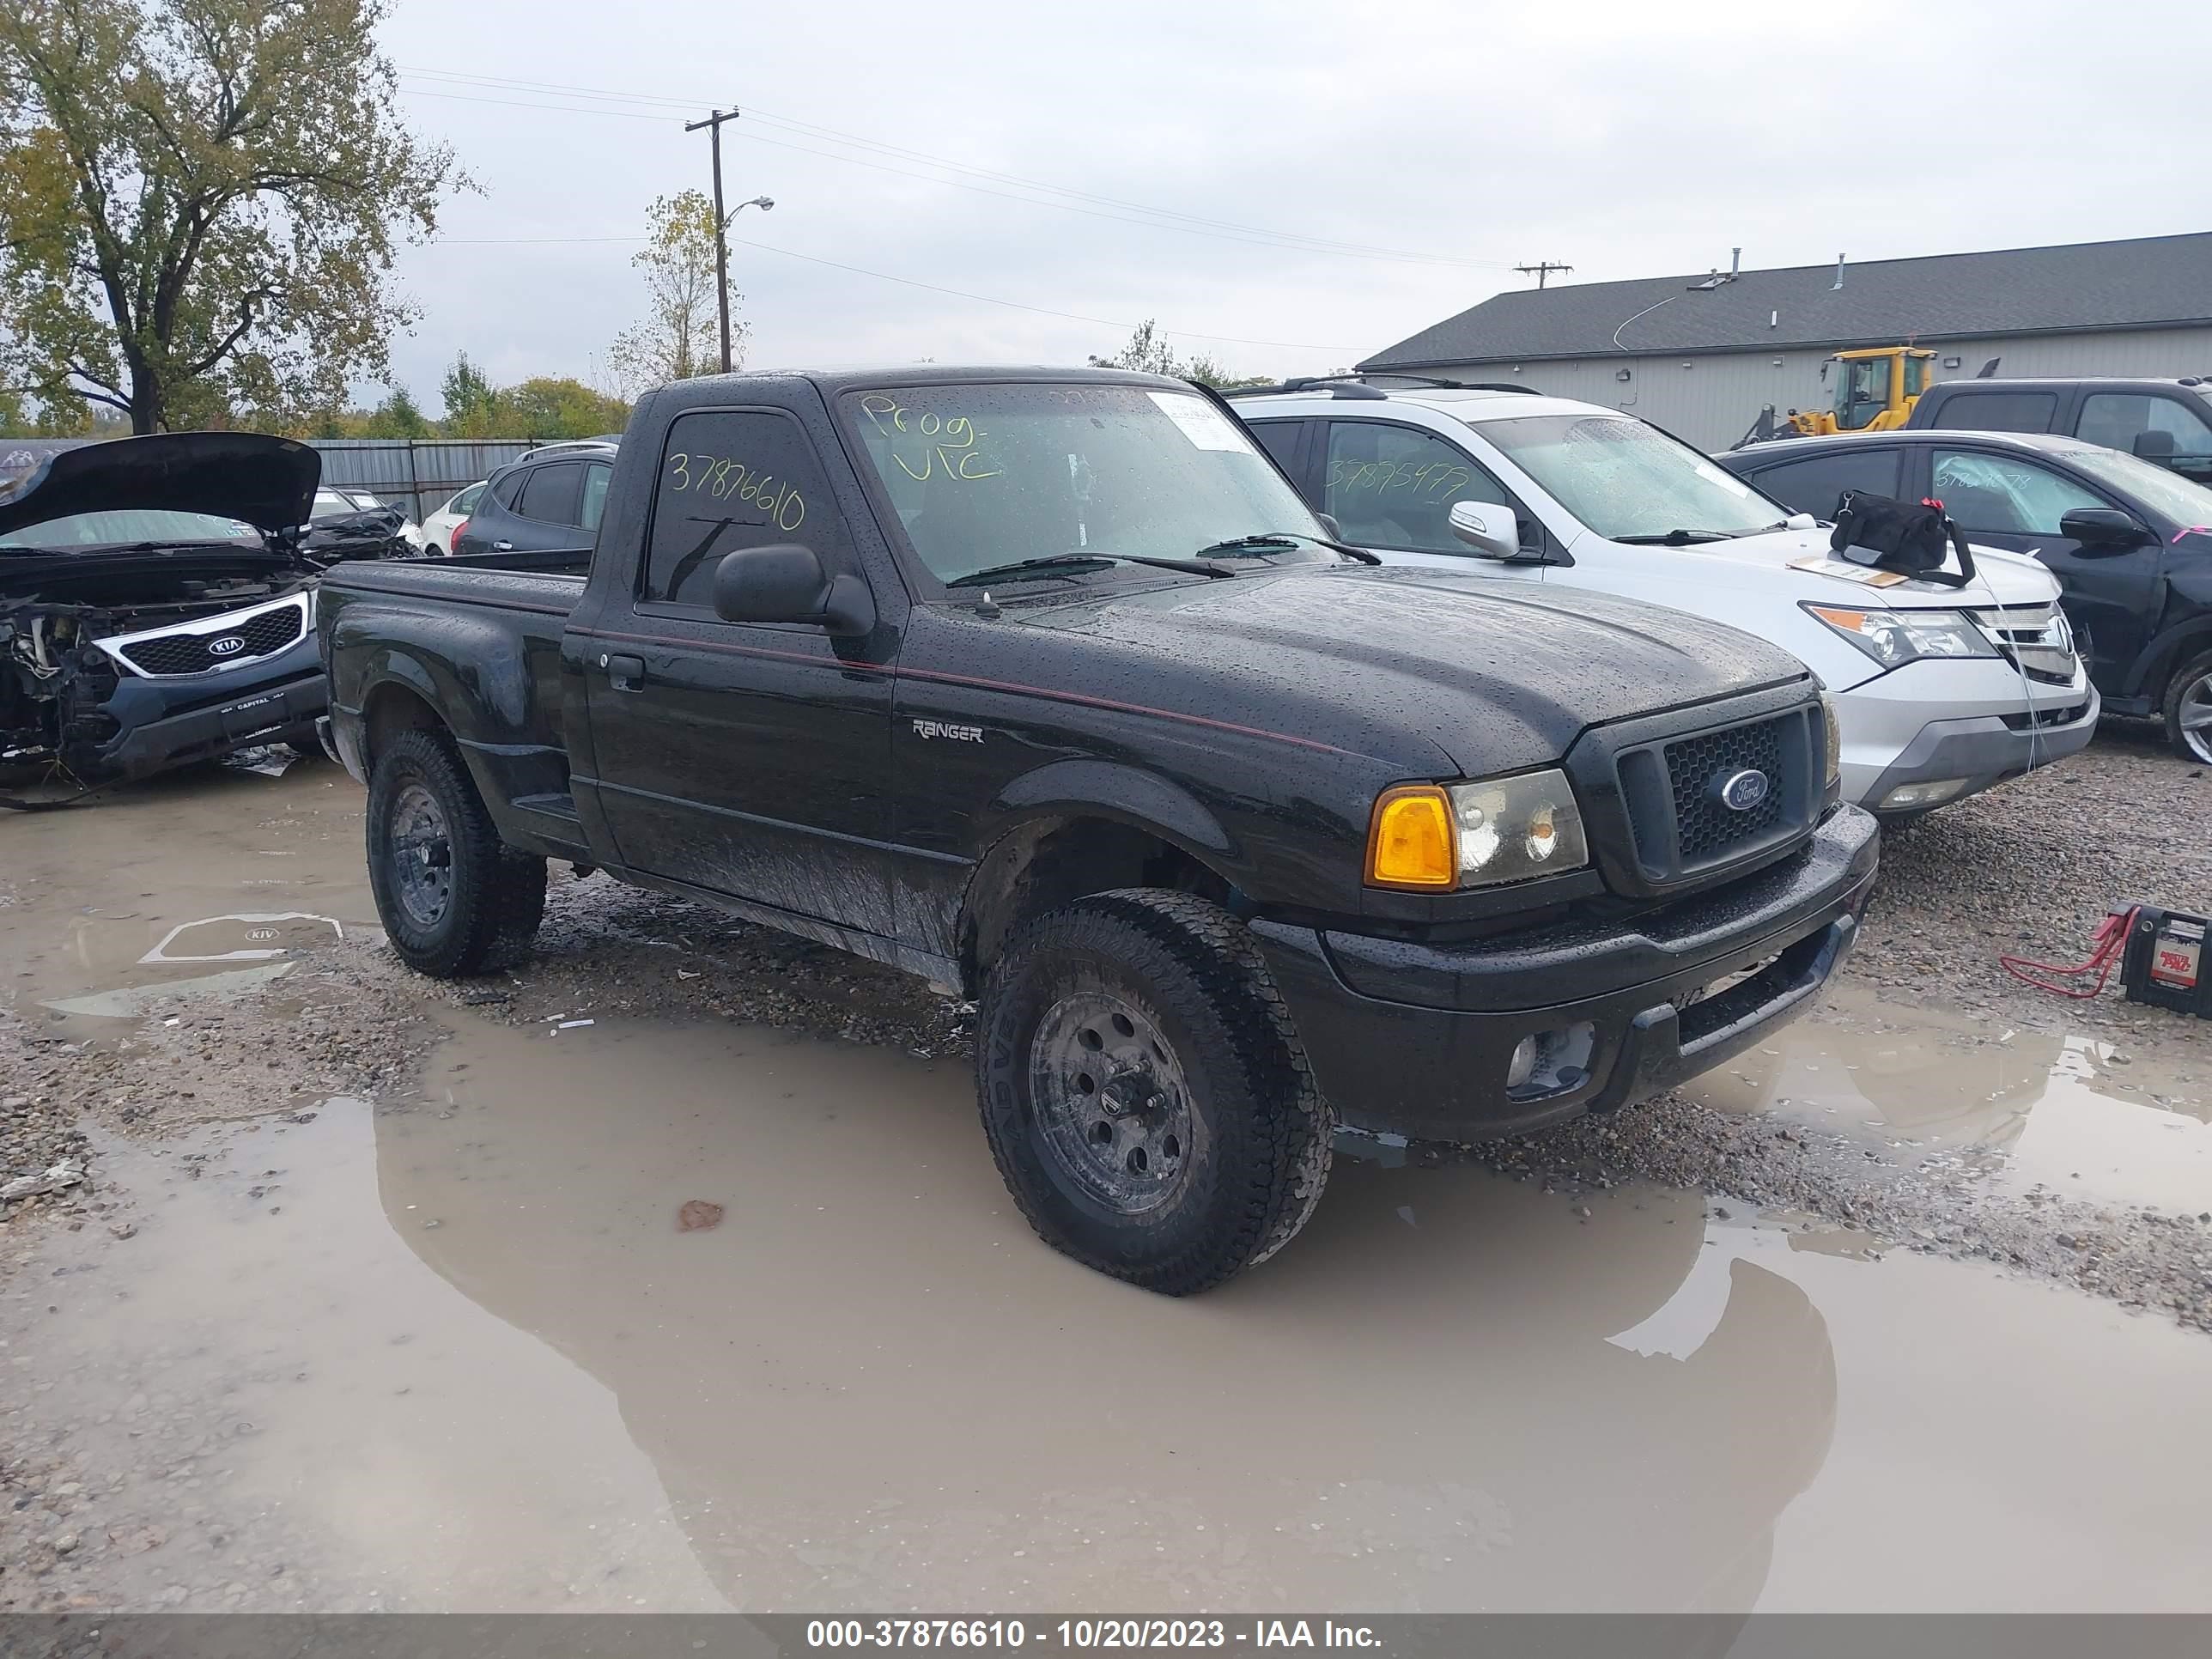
x: 159, y: 723
x: 1414, y: 1043
x: 1984, y: 730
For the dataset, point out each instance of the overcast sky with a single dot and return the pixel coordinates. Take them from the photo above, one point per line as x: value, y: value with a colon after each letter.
x: 1287, y: 186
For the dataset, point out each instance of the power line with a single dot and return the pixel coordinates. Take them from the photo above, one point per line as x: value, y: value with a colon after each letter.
x: 1192, y: 223
x: 907, y: 281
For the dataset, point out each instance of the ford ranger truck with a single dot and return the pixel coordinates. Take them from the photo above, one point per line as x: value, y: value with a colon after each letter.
x: 1045, y: 684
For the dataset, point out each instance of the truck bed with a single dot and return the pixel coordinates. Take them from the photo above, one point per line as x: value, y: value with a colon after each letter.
x: 487, y: 629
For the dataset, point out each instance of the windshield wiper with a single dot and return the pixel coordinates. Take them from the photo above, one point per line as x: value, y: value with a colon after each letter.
x: 1069, y: 563
x: 1289, y: 538
x: 1676, y: 538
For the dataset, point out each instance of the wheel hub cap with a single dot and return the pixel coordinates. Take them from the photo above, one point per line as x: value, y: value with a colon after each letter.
x: 422, y: 856
x: 1113, y: 1109
x: 2196, y: 713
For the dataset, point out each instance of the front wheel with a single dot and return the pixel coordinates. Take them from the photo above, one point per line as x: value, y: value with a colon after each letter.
x: 454, y: 899
x: 1144, y: 1092
x: 2189, y: 710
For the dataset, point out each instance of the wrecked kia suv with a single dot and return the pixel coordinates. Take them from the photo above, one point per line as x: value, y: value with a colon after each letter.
x: 156, y: 606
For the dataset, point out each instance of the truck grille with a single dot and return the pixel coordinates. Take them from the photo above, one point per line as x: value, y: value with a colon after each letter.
x: 1706, y: 828
x: 1673, y: 787
x: 207, y: 645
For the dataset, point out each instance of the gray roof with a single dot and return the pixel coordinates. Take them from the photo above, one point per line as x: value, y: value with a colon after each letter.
x: 2141, y: 283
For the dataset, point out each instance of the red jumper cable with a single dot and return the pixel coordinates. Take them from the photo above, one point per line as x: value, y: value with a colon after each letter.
x: 2104, y: 955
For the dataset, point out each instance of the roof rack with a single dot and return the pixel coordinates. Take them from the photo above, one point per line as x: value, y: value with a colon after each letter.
x: 1363, y: 385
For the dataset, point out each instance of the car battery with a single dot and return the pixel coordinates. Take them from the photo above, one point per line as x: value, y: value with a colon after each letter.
x: 2164, y: 963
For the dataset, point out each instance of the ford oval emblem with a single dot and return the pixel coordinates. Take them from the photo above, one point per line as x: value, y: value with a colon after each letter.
x: 229, y: 645
x: 1741, y: 790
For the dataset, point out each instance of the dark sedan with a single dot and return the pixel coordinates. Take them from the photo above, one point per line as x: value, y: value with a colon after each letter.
x: 2130, y: 543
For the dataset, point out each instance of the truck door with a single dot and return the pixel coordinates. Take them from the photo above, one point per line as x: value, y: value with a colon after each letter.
x: 745, y: 758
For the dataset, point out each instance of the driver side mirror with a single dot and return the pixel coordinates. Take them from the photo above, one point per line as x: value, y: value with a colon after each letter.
x: 1488, y: 529
x: 785, y: 583
x: 2107, y: 529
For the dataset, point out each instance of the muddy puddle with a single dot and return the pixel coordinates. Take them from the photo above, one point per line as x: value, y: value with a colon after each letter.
x: 2023, y: 1108
x: 458, y: 1352
x: 203, y: 885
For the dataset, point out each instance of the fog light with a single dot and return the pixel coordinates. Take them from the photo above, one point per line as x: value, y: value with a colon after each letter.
x: 1921, y: 794
x: 1522, y: 1066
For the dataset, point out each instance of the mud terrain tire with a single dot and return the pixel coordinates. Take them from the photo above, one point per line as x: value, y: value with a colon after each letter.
x: 1144, y: 1091
x: 453, y: 898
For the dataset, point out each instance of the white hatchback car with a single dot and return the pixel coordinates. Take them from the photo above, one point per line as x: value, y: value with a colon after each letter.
x: 438, y: 529
x: 1940, y: 692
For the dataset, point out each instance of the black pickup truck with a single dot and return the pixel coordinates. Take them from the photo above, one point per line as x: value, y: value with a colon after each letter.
x: 1045, y: 685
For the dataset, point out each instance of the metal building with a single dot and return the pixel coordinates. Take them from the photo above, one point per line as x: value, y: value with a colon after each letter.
x: 1700, y: 355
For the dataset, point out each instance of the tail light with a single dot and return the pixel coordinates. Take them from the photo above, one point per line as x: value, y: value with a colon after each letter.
x: 454, y: 540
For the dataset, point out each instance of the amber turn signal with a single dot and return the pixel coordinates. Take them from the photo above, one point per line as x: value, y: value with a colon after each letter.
x: 1410, y: 840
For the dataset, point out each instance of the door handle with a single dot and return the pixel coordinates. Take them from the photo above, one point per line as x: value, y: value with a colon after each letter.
x: 503, y: 547
x: 625, y: 673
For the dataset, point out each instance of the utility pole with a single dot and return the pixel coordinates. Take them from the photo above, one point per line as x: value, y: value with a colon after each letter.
x: 1542, y: 268
x: 714, y: 125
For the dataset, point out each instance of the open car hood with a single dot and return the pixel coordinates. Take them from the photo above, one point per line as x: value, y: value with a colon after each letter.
x: 268, y: 482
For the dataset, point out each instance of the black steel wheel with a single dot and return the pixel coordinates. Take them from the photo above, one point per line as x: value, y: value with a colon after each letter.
x: 1144, y: 1092
x: 453, y: 898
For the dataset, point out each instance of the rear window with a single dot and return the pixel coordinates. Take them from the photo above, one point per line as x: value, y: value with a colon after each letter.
x: 551, y: 494
x: 1817, y: 482
x: 1997, y: 412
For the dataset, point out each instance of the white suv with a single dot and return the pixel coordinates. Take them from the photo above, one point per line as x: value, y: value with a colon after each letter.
x: 1940, y: 692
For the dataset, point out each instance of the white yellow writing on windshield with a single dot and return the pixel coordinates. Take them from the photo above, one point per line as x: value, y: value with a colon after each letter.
x: 924, y: 444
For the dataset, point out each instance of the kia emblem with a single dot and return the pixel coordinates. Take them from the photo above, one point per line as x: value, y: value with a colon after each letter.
x: 229, y: 645
x: 1739, y: 792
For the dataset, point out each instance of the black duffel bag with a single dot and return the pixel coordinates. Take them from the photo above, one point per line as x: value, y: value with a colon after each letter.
x: 1912, y: 538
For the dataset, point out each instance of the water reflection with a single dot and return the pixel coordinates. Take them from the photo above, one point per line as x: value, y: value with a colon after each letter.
x: 869, y: 1385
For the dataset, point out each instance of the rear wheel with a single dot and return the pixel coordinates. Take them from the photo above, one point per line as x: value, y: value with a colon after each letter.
x: 2189, y: 710
x: 454, y: 899
x: 1144, y: 1092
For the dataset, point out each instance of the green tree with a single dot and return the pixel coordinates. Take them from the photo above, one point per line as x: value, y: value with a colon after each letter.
x: 680, y: 335
x: 549, y: 407
x: 398, y: 416
x: 1147, y: 352
x: 470, y: 399
x: 200, y: 201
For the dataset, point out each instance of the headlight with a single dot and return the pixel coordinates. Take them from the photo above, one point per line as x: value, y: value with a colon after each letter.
x: 1892, y: 637
x: 1427, y: 837
x: 1835, y: 731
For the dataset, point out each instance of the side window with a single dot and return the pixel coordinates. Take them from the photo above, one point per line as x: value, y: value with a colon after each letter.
x: 1280, y: 439
x: 2157, y: 429
x: 1391, y: 486
x: 467, y: 500
x: 730, y: 479
x: 1816, y: 483
x: 504, y: 490
x: 549, y: 494
x: 1999, y: 495
x: 595, y: 495
x: 1997, y: 412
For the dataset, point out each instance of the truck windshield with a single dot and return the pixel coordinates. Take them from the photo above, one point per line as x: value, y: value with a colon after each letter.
x: 1629, y: 481
x: 985, y: 476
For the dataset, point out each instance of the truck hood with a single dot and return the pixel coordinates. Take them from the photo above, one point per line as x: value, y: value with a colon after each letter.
x: 1368, y: 658
x: 2015, y: 578
x: 268, y: 482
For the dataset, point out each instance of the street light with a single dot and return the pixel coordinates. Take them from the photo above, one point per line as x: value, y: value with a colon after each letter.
x: 722, y: 252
